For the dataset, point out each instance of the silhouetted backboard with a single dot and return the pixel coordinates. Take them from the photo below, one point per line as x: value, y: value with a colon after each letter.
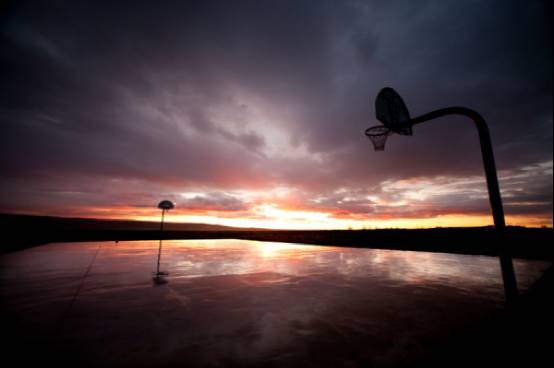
x: 392, y: 112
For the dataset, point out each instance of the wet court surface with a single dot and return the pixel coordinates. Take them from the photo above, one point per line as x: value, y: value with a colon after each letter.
x: 243, y: 303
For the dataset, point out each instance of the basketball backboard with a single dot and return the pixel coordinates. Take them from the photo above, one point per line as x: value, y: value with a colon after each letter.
x: 392, y: 112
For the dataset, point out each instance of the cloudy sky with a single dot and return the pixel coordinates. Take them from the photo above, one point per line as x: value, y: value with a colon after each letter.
x: 252, y: 113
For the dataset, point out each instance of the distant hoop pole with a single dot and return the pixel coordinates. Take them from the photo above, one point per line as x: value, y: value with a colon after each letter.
x: 506, y: 264
x: 160, y: 246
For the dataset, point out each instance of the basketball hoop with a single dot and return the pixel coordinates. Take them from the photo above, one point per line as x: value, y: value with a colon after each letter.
x: 378, y: 135
x: 391, y: 110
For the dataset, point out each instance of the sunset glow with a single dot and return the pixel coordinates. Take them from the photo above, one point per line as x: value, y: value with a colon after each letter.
x: 268, y: 131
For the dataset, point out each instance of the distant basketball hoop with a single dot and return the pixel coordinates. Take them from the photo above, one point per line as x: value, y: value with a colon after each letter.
x: 164, y: 205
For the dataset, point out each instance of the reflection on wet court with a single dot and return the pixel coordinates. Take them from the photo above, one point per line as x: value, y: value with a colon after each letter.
x: 236, y: 302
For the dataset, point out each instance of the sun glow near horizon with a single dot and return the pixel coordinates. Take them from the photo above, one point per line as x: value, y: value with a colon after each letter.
x: 323, y: 221
x: 272, y: 216
x: 425, y: 202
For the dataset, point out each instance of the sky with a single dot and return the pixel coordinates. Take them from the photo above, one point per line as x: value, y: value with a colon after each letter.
x: 252, y: 113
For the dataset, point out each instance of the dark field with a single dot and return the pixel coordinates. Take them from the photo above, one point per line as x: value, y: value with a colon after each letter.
x: 470, y: 326
x: 528, y: 243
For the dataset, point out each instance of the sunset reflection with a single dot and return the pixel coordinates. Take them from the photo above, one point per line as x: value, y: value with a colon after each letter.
x: 282, y: 250
x: 248, y: 301
x: 201, y: 258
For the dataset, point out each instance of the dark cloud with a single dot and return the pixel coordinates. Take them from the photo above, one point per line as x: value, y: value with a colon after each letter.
x: 214, y: 201
x: 257, y: 94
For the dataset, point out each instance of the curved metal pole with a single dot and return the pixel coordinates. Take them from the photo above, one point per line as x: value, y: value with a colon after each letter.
x: 506, y: 264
